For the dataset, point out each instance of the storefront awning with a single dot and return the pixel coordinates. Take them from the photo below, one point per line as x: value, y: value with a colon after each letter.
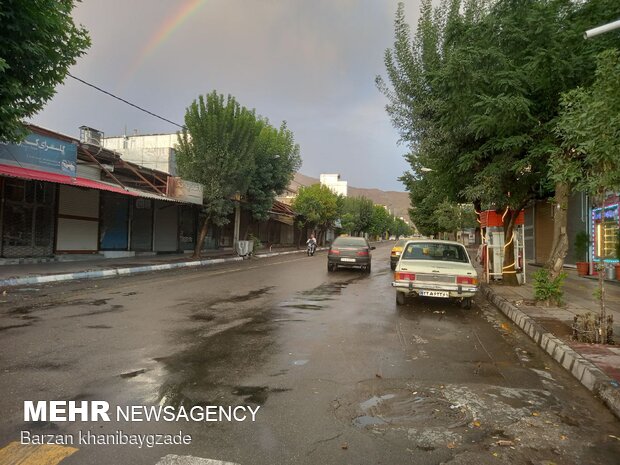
x: 26, y: 173
x: 282, y: 218
x: 149, y: 195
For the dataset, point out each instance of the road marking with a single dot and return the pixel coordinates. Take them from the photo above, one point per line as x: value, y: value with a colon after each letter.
x: 23, y: 454
x: 190, y: 460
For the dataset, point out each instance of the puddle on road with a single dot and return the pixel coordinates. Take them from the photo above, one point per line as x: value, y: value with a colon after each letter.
x: 301, y: 305
x: 7, y: 327
x: 375, y: 400
x: 255, y: 294
x: 402, y: 408
x: 215, y: 351
x: 317, y: 298
x: 113, y: 309
x: 366, y: 420
x: 256, y: 394
x: 133, y: 374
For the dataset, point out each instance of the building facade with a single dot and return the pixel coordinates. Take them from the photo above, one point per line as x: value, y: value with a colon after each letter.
x: 59, y: 196
x: 154, y: 151
x: 335, y: 184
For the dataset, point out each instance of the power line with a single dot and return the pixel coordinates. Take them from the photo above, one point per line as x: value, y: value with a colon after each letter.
x: 125, y: 101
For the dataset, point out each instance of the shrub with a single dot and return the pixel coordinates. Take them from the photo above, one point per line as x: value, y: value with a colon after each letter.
x: 547, y: 290
x: 581, y: 244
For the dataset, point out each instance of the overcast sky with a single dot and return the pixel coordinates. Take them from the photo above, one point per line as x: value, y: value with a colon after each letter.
x: 309, y: 62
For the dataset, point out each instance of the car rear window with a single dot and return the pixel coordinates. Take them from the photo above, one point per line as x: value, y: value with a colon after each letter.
x: 435, y: 251
x: 350, y: 242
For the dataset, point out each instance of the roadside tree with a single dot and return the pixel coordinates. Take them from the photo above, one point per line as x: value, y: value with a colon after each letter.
x: 318, y: 208
x: 474, y: 94
x: 400, y: 228
x: 589, y: 126
x: 276, y: 159
x: 357, y: 213
x: 381, y: 221
x: 38, y: 43
x: 216, y: 149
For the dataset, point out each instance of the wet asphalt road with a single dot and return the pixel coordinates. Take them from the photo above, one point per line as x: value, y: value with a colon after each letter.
x: 341, y: 374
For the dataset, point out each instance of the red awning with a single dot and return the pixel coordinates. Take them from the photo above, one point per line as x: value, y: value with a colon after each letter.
x: 25, y: 173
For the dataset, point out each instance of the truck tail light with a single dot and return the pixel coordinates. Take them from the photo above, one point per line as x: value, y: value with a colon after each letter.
x: 466, y: 280
x: 400, y: 276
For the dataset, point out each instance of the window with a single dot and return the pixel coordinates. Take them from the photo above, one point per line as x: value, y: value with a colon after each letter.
x: 350, y: 242
x: 435, y: 251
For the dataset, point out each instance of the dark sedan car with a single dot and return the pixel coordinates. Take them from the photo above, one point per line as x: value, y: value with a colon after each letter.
x: 349, y: 252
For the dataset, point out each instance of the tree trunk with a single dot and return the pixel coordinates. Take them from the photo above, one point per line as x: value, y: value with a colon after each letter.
x: 601, y: 279
x: 201, y: 237
x: 559, y: 249
x: 478, y: 232
x: 509, y: 274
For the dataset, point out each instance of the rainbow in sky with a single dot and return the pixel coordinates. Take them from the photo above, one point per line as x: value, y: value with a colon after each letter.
x: 185, y: 11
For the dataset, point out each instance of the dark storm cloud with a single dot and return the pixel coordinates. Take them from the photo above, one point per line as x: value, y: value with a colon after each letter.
x: 311, y: 63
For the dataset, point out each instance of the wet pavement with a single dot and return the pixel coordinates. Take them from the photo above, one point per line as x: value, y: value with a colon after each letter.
x: 340, y: 373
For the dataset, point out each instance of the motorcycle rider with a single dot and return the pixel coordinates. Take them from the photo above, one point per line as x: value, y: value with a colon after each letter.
x: 311, y: 244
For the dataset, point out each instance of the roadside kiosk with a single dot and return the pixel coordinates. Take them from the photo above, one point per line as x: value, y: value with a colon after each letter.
x: 492, y: 230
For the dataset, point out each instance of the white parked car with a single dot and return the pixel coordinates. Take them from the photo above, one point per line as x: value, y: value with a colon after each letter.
x: 435, y: 268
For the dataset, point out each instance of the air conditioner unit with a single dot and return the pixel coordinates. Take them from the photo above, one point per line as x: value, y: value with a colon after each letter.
x: 90, y: 136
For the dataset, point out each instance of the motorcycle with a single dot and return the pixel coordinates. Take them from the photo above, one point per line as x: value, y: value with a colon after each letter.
x: 311, y: 248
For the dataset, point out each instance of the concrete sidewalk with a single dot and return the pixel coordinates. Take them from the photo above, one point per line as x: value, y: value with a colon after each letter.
x: 596, y: 366
x: 97, y: 267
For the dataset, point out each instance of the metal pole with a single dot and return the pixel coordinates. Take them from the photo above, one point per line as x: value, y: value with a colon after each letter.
x: 601, y: 29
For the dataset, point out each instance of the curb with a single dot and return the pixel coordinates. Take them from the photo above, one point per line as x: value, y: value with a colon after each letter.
x: 588, y: 374
x: 12, y: 282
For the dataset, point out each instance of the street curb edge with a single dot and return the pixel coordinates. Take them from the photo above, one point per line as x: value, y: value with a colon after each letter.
x: 111, y: 272
x: 588, y: 374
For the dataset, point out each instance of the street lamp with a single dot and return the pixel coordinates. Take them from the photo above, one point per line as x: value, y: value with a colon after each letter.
x: 601, y: 29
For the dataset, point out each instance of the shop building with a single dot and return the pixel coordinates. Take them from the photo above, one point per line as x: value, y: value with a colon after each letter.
x: 60, y: 196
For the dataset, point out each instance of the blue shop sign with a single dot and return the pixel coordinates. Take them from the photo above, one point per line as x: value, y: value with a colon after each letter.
x: 41, y: 153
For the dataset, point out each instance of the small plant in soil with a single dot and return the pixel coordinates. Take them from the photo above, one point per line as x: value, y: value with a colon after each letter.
x: 548, y: 291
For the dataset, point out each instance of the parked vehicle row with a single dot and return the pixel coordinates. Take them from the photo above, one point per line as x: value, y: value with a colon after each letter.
x: 422, y: 267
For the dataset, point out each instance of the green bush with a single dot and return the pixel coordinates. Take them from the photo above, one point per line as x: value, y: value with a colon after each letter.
x: 547, y: 290
x: 581, y: 244
x: 256, y: 240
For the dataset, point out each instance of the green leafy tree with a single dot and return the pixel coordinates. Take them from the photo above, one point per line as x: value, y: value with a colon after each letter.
x: 475, y: 93
x: 216, y: 150
x: 589, y: 126
x: 448, y: 216
x: 380, y: 222
x: 318, y: 208
x: 276, y: 159
x: 38, y: 43
x: 400, y: 228
x: 357, y: 215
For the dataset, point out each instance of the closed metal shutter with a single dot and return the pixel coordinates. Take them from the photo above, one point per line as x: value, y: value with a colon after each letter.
x: 27, y: 218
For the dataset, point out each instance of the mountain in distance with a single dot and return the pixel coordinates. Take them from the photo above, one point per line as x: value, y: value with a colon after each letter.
x: 397, y: 202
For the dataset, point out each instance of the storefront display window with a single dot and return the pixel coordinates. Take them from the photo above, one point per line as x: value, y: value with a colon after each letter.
x: 605, y: 225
